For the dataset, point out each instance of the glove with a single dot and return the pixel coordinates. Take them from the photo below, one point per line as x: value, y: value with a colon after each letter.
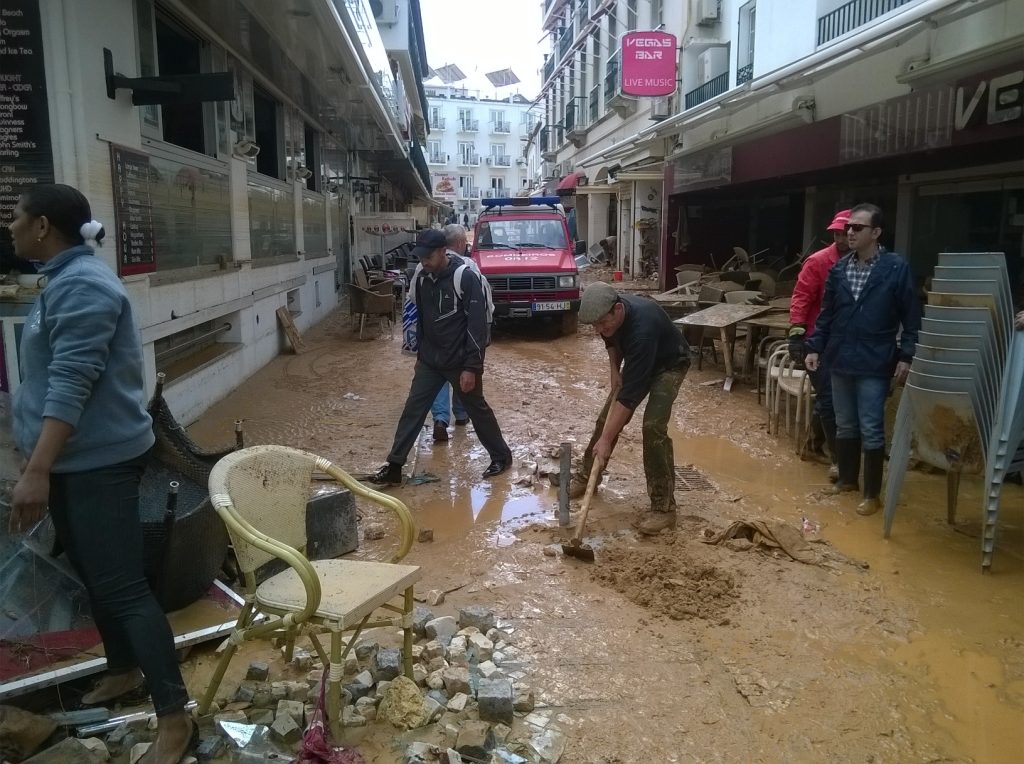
x: 797, y: 349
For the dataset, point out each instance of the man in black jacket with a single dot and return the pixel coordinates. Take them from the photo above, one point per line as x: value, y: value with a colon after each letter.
x: 453, y: 333
x: 648, y: 358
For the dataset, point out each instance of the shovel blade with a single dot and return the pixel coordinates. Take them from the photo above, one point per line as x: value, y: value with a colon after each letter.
x: 578, y: 550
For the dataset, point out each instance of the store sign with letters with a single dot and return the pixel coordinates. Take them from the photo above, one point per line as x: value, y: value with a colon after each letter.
x: 649, y: 64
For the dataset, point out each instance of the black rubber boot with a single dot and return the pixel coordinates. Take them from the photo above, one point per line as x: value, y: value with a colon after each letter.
x: 830, y: 439
x: 873, y: 461
x: 848, y: 460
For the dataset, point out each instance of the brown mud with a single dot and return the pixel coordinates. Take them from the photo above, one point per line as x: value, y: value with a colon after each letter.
x: 674, y: 650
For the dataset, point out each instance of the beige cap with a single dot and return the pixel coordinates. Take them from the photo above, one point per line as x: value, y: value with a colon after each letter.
x: 598, y: 299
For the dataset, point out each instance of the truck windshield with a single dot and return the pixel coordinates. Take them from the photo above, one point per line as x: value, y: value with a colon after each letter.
x: 503, y: 234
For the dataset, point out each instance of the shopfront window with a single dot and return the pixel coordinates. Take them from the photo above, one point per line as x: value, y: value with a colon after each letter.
x: 969, y: 216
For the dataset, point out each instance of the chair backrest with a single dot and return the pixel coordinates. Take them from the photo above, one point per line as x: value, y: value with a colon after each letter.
x: 268, y: 487
x: 360, y: 278
x: 740, y: 296
x: 781, y: 302
x: 687, y: 277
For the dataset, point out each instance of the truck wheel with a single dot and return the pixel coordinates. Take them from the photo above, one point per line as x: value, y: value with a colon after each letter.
x: 570, y: 322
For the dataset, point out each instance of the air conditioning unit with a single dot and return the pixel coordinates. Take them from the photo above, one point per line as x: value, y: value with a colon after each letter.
x: 489, y: 160
x: 708, y: 11
x: 711, y: 63
x: 660, y: 108
x: 520, y: 161
x: 384, y: 11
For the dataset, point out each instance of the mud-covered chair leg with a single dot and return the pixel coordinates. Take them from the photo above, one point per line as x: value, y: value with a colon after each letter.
x: 244, y: 621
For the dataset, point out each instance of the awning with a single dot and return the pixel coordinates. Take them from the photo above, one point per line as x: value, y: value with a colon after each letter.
x: 570, y: 181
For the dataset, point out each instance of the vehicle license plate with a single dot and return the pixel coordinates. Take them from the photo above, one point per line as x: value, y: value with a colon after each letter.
x: 539, y: 307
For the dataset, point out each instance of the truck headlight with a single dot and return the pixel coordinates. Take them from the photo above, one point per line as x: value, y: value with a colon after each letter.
x: 566, y: 282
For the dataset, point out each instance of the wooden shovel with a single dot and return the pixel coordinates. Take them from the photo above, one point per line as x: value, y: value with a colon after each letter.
x: 576, y: 548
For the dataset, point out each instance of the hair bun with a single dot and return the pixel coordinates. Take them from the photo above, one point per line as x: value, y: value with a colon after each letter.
x: 92, y: 232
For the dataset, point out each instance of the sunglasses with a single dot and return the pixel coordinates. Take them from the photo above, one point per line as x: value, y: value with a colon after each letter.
x: 856, y: 227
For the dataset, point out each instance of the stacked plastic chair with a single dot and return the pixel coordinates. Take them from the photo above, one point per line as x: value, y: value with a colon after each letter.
x: 963, y: 405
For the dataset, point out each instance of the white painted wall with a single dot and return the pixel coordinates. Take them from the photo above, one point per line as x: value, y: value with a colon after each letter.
x: 784, y: 33
x: 90, y: 121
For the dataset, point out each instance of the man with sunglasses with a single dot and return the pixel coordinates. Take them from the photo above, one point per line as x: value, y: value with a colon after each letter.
x: 648, y: 358
x: 803, y: 312
x: 869, y: 302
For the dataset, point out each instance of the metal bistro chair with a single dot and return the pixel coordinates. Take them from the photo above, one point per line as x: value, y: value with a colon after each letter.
x: 260, y: 493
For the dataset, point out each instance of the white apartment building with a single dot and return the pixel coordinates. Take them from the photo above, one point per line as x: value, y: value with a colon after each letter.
x: 477, y: 147
x: 787, y: 110
x: 226, y: 147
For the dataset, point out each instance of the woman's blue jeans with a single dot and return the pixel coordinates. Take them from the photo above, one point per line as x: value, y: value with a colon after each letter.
x: 859, y: 403
x: 443, y: 407
x: 96, y: 517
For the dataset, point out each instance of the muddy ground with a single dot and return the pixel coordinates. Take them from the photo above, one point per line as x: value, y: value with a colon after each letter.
x: 672, y: 649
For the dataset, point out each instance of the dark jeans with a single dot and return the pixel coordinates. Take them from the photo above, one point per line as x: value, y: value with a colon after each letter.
x: 659, y: 458
x: 96, y: 516
x: 860, y: 409
x: 426, y: 382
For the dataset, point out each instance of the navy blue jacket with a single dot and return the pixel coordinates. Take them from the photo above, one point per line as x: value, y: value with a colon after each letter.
x: 858, y: 337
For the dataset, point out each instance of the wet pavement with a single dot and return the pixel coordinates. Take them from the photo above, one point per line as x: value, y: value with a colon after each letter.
x: 899, y: 650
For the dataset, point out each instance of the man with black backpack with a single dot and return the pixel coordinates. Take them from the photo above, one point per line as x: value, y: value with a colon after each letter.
x: 453, y: 333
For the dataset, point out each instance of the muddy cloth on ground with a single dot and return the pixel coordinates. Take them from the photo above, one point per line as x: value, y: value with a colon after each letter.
x: 770, y: 535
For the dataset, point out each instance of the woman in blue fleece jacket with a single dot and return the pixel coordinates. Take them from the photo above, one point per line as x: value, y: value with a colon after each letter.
x: 81, y: 424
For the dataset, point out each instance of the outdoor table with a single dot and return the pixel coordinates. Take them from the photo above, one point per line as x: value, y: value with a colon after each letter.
x: 723, y: 316
x: 761, y: 325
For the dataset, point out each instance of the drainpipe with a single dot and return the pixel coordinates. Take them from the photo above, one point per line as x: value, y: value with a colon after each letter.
x: 62, y: 132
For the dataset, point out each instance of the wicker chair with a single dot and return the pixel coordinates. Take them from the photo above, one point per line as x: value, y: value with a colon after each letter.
x: 260, y: 493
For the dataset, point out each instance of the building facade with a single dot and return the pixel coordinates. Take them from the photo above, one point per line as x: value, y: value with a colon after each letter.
x: 788, y: 111
x: 226, y: 147
x: 477, y: 148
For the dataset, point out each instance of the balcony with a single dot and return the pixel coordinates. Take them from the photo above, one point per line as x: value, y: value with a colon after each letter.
x: 744, y: 74
x: 501, y: 127
x: 469, y: 193
x: 854, y: 14
x: 612, y: 80
x: 437, y: 124
x: 499, y: 160
x: 469, y: 125
x: 710, y: 89
x: 495, y: 193
x: 565, y: 41
x: 576, y: 120
x: 437, y: 158
x: 549, y: 69
x: 595, y: 104
x: 550, y: 138
x: 469, y: 160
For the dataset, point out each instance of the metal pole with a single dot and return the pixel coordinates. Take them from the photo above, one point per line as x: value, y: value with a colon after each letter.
x: 564, y: 477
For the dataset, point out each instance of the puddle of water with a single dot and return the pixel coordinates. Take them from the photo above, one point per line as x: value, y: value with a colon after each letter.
x: 970, y: 622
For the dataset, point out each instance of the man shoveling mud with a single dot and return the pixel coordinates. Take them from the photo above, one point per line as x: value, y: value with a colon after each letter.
x: 648, y: 357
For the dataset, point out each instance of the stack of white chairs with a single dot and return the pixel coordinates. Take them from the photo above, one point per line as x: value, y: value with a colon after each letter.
x: 963, y: 406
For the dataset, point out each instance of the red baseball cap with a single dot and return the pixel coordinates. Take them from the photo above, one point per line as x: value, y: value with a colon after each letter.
x: 839, y: 221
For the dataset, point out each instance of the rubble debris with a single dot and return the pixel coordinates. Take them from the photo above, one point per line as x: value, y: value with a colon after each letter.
x: 478, y: 616
x: 361, y: 686
x: 458, y: 702
x: 435, y: 597
x: 475, y: 740
x: 367, y: 708
x: 210, y: 748
x: 523, y: 700
x: 366, y: 649
x: 138, y: 751
x: 488, y: 670
x: 456, y: 679
x: 243, y: 734
x: 350, y: 717
x: 403, y: 706
x: 97, y: 746
x: 480, y: 647
x: 285, y: 729
x: 374, y: 531
x: 68, y: 751
x: 293, y: 708
x: 421, y: 753
x: 420, y: 617
x: 425, y: 535
x: 494, y: 697
x: 548, y: 745
x: 442, y: 629
x: 501, y: 733
x: 388, y: 663
x: 21, y: 732
x: 258, y: 671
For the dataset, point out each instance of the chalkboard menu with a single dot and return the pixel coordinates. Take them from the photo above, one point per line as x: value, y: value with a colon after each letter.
x: 133, y: 211
x: 26, y: 157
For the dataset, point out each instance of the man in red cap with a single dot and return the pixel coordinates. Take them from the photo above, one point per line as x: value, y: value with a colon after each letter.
x: 803, y: 312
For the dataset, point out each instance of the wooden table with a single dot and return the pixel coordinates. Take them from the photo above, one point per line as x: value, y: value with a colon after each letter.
x: 723, y: 316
